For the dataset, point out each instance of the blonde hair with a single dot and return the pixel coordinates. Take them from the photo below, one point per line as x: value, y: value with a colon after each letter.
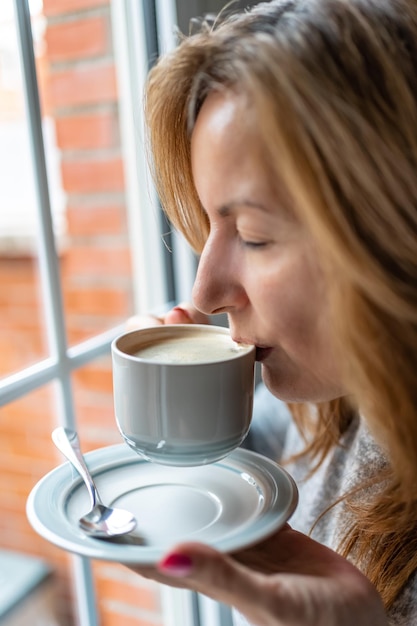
x: 333, y: 87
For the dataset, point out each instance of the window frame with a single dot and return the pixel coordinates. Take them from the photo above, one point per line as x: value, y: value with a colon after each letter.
x: 152, y: 290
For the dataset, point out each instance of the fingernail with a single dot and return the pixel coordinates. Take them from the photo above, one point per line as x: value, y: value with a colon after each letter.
x: 183, y: 312
x: 176, y: 565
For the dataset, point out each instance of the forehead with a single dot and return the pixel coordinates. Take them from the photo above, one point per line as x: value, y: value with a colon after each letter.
x: 225, y: 134
x: 223, y: 113
x: 228, y: 155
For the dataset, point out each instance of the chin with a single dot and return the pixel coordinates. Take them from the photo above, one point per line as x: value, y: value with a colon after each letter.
x: 298, y: 389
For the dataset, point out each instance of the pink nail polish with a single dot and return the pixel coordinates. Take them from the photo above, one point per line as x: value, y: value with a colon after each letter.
x: 176, y: 565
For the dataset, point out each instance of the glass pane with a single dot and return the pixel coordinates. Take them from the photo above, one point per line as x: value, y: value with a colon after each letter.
x: 26, y: 455
x: 187, y: 9
x: 93, y: 397
x: 22, y: 338
x: 125, y: 598
x: 122, y: 596
x: 81, y: 101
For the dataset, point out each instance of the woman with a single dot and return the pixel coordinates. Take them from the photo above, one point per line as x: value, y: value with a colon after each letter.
x: 284, y: 146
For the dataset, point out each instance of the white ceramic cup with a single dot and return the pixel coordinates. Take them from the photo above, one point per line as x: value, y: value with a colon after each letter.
x: 183, y: 394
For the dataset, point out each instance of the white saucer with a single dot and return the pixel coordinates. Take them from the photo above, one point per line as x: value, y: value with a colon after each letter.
x: 230, y: 504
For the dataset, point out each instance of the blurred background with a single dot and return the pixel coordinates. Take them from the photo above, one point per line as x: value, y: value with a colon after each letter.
x: 83, y: 245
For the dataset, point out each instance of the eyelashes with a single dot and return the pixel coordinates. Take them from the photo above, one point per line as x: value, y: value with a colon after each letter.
x: 253, y: 245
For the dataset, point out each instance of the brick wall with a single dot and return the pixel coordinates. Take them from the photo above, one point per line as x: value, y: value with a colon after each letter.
x: 79, y: 91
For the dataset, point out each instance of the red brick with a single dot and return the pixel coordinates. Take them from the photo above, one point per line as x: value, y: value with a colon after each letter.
x: 132, y: 595
x: 20, y: 295
x: 96, y: 220
x: 97, y: 422
x: 81, y: 328
x: 25, y: 459
x: 58, y: 7
x: 94, y: 377
x: 89, y: 84
x: 19, y: 347
x: 22, y: 316
x: 84, y: 261
x: 111, y: 618
x: 97, y: 130
x: 81, y: 332
x: 85, y: 176
x: 103, y: 438
x: 72, y: 40
x: 23, y: 482
x: 18, y: 269
x: 97, y: 256
x: 30, y: 415
x: 90, y: 301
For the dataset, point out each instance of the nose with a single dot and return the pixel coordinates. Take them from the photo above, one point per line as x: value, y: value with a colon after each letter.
x: 218, y: 287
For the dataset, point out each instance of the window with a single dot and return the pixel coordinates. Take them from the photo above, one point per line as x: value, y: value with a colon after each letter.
x: 80, y: 229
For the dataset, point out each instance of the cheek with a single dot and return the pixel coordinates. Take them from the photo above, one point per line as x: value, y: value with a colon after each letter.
x: 291, y: 299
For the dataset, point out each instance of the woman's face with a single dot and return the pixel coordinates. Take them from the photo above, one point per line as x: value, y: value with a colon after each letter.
x: 259, y: 264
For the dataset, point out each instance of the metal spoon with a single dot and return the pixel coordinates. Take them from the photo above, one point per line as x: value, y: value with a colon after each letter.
x: 102, y: 521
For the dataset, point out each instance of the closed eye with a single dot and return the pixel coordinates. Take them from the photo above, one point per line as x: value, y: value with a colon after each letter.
x: 254, y: 244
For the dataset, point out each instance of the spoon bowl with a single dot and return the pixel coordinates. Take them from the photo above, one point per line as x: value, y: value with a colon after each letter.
x: 101, y: 521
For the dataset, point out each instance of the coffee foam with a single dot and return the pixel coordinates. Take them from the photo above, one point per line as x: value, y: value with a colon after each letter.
x: 190, y: 349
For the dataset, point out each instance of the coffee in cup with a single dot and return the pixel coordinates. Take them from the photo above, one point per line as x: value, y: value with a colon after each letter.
x: 183, y: 394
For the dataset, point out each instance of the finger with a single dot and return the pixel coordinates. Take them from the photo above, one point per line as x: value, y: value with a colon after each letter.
x: 281, y: 599
x: 185, y: 313
x: 203, y: 569
x: 178, y: 315
x: 152, y: 574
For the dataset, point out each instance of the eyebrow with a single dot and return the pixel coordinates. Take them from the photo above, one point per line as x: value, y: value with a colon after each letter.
x: 226, y: 209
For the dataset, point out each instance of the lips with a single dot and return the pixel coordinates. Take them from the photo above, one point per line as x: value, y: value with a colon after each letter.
x: 261, y: 353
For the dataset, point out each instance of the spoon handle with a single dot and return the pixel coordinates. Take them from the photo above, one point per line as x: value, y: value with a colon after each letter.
x: 66, y: 440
